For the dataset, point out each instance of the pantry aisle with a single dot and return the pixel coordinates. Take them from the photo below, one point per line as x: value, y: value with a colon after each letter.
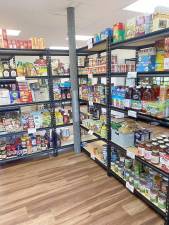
x: 67, y: 190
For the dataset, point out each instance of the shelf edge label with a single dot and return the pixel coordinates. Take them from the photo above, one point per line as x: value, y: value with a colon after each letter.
x: 130, y: 154
x: 130, y: 187
x: 132, y: 113
x: 90, y: 103
x: 92, y: 156
x: 90, y: 132
x: 90, y: 43
x: 132, y: 75
x: 20, y: 79
x: 31, y: 130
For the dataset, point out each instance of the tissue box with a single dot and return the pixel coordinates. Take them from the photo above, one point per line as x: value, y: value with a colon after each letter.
x: 123, y: 140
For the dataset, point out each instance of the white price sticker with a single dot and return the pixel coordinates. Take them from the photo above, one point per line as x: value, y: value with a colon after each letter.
x: 132, y: 113
x: 90, y: 132
x: 92, y: 157
x: 20, y: 79
x: 90, y: 43
x: 166, y: 64
x: 130, y: 154
x: 132, y: 75
x: 31, y: 130
x: 90, y: 103
x: 130, y: 187
x: 90, y: 76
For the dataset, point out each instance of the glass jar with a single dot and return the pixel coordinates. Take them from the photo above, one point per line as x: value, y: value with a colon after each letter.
x: 154, y: 140
x: 163, y: 136
x: 148, y: 152
x: 166, y: 141
x: 141, y: 149
x: 155, y: 158
x: 162, y: 201
x: 136, y: 182
x: 127, y: 174
x: 159, y: 138
x: 161, y: 142
x: 153, y: 195
x: 128, y: 163
x: 155, y: 147
x: 142, y: 185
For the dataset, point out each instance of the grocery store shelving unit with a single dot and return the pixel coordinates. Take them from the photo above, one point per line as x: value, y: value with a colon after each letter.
x: 132, y: 44
x: 7, y: 54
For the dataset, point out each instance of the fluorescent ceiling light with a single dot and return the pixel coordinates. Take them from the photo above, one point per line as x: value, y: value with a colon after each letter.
x: 82, y: 37
x: 59, y: 47
x: 147, y: 6
x: 13, y: 32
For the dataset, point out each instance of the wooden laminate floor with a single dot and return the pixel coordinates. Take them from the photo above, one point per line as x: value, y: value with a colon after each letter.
x: 67, y: 190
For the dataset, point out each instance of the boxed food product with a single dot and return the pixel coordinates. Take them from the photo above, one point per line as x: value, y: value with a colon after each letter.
x: 108, y: 32
x: 146, y: 60
x: 97, y: 38
x: 140, y: 25
x: 157, y: 108
x: 160, y: 21
x: 118, y: 32
x: 4, y: 96
x: 3, y: 39
x: 148, y: 24
x: 130, y: 28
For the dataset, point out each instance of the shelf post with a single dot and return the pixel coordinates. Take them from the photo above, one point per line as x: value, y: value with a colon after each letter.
x: 74, y: 77
x: 108, y: 110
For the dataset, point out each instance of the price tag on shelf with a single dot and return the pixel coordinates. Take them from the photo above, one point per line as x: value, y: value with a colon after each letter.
x: 90, y: 103
x: 31, y: 130
x: 132, y: 75
x: 90, y: 132
x: 90, y: 43
x: 20, y: 79
x: 130, y: 187
x: 90, y: 76
x: 130, y: 154
x: 132, y: 113
x: 166, y: 64
x: 92, y: 157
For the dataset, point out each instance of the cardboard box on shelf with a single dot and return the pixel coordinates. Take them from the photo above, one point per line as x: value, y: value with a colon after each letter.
x: 3, y: 39
x: 160, y: 21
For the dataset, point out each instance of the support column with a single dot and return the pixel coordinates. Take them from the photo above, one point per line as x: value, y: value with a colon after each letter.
x: 74, y: 77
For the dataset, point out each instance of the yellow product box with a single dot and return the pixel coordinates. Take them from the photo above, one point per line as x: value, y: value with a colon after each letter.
x: 130, y: 28
x: 160, y: 21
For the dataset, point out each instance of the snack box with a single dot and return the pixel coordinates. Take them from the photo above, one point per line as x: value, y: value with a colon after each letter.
x: 130, y: 28
x: 3, y: 39
x: 160, y: 21
x: 118, y: 32
x: 140, y: 25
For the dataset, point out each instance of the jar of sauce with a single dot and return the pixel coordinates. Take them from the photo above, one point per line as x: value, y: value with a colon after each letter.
x: 148, y: 152
x: 141, y: 149
x: 155, y: 147
x: 155, y: 158
x: 159, y: 138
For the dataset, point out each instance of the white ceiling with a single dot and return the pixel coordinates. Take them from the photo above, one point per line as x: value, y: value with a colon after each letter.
x: 47, y: 18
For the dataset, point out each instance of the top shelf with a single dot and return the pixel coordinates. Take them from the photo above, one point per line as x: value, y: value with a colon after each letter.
x: 133, y: 43
x: 32, y: 52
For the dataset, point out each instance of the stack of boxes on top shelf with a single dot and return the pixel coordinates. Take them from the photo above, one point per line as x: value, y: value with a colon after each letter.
x: 32, y: 43
x: 135, y: 27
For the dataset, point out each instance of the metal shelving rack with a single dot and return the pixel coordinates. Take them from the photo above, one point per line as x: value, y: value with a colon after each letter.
x: 131, y: 44
x: 7, y: 54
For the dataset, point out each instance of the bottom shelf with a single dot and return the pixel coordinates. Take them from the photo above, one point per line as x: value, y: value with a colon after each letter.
x: 139, y: 194
x: 27, y: 156
x: 36, y: 154
x: 93, y: 157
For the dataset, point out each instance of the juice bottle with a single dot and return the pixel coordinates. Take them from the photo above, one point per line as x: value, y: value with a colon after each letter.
x: 128, y: 97
x: 148, y: 94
